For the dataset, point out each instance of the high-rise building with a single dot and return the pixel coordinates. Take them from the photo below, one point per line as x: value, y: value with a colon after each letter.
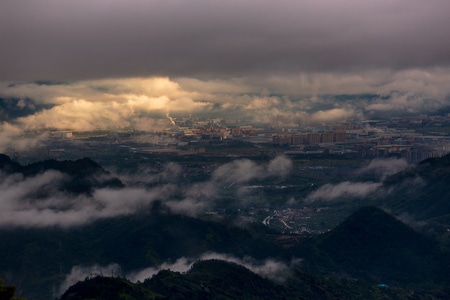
x: 313, y: 138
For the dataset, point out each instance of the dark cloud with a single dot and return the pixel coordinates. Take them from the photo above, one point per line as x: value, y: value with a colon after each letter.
x: 72, y: 40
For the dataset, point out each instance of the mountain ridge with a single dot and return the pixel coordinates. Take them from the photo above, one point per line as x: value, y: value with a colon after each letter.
x: 373, y: 246
x: 85, y: 174
x: 422, y: 191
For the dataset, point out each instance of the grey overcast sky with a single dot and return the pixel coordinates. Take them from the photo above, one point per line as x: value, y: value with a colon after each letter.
x: 78, y: 40
x: 122, y: 62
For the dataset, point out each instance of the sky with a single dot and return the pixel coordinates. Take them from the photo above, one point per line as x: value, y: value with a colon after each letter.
x: 86, y: 65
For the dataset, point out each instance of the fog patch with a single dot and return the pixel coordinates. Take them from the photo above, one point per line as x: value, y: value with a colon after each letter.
x: 407, y: 185
x: 80, y: 273
x: 16, y: 187
x: 408, y: 219
x: 190, y: 207
x: 238, y: 171
x: 37, y: 202
x: 169, y: 172
x: 408, y: 99
x: 12, y: 138
x: 334, y: 114
x: 330, y: 192
x: 384, y: 167
x: 270, y: 268
x: 229, y: 179
x: 280, y: 166
x: 34, y: 202
x: 181, y: 265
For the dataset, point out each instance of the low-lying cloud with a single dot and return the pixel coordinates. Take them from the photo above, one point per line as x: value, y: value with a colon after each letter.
x: 65, y: 211
x: 349, y: 190
x: 346, y: 189
x: 36, y: 202
x: 13, y: 139
x: 384, y: 167
x: 270, y: 268
x: 230, y: 178
x: 80, y: 273
x: 168, y: 173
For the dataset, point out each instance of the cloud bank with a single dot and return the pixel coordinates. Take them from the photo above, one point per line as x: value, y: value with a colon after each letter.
x: 272, y: 269
x: 35, y: 201
x: 384, y: 167
x: 231, y: 178
x: 349, y: 190
x: 269, y: 268
x: 143, y: 103
x: 346, y: 189
x: 80, y: 273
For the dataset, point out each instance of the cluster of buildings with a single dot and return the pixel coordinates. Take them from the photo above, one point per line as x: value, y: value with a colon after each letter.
x: 413, y: 138
x: 401, y: 138
x: 297, y: 221
x: 363, y: 143
x: 309, y: 138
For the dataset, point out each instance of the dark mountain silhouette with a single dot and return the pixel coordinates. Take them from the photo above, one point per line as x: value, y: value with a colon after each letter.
x: 83, y: 174
x: 7, y: 165
x: 370, y: 247
x: 422, y: 191
x: 373, y: 246
x: 212, y: 279
x: 7, y: 292
x: 217, y: 279
x: 107, y: 288
x: 40, y: 258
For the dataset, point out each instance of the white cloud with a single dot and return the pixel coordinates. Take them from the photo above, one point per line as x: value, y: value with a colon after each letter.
x: 13, y: 139
x: 330, y: 192
x: 102, y: 104
x: 334, y: 114
x: 238, y: 171
x: 80, y: 273
x: 228, y: 178
x: 20, y: 207
x: 270, y: 268
x: 279, y: 166
x: 278, y: 99
x: 384, y: 167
